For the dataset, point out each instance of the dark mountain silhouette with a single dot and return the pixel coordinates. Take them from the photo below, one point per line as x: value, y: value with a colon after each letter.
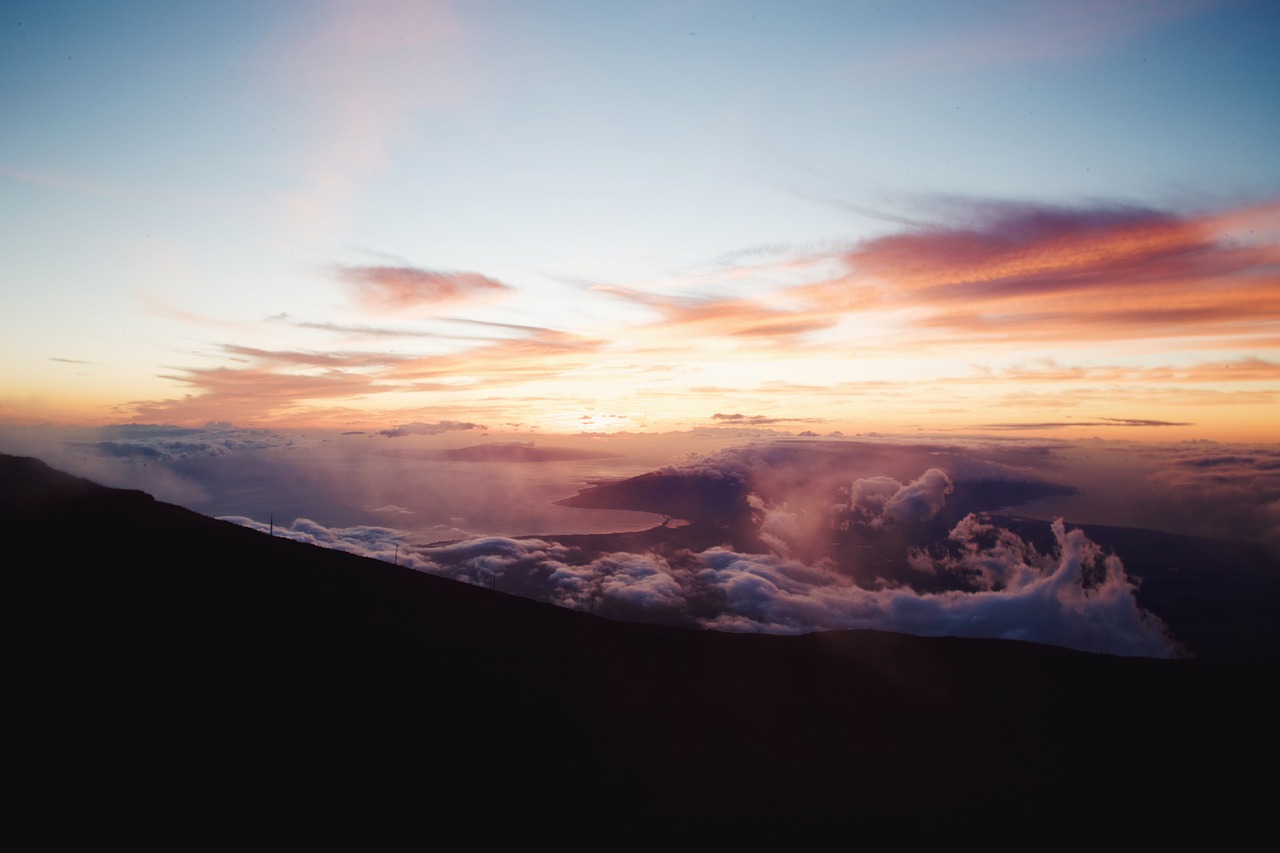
x: 174, y: 667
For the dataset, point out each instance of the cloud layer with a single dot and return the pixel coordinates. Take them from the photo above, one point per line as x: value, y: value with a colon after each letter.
x: 806, y: 571
x: 1074, y: 596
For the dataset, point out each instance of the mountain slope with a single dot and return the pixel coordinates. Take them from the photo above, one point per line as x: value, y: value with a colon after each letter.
x: 193, y: 651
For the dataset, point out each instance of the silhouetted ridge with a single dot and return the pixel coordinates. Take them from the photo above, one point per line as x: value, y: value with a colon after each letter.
x: 31, y: 485
x: 221, y: 667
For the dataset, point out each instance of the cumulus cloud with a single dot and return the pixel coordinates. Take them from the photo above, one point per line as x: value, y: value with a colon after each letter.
x: 518, y: 566
x: 638, y: 586
x: 801, y: 491
x: 876, y: 501
x: 921, y: 499
x: 1075, y: 596
x: 379, y: 543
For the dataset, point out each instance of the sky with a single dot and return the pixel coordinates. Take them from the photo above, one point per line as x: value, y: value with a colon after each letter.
x: 290, y: 264
x: 1042, y: 219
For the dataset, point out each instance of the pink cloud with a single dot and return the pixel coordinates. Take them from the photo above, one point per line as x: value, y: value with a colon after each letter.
x: 699, y: 318
x: 256, y: 394
x: 1019, y: 272
x: 392, y: 289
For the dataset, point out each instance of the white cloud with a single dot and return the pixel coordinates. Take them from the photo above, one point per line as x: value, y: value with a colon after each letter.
x: 1075, y: 597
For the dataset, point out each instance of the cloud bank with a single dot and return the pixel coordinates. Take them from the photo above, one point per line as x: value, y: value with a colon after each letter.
x: 802, y: 574
x: 1074, y: 596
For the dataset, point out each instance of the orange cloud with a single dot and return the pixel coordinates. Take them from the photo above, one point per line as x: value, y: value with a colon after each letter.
x: 1029, y: 273
x: 300, y: 358
x: 281, y: 385
x: 544, y: 355
x: 1244, y: 370
x: 1015, y: 274
x: 686, y: 320
x: 253, y: 395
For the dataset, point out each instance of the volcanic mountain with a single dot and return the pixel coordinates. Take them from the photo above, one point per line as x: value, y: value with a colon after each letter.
x: 211, y: 672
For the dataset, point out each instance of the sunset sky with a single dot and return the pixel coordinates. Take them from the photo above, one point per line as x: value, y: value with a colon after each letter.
x: 1039, y: 218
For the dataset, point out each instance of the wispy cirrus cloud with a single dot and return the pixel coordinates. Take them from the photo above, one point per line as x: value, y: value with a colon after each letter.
x: 350, y: 332
x: 343, y: 360
x: 705, y: 318
x: 268, y: 386
x: 366, y: 70
x: 257, y: 394
x: 1249, y: 369
x: 542, y: 354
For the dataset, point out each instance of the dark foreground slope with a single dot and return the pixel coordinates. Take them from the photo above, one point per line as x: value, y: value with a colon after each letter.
x: 173, y: 669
